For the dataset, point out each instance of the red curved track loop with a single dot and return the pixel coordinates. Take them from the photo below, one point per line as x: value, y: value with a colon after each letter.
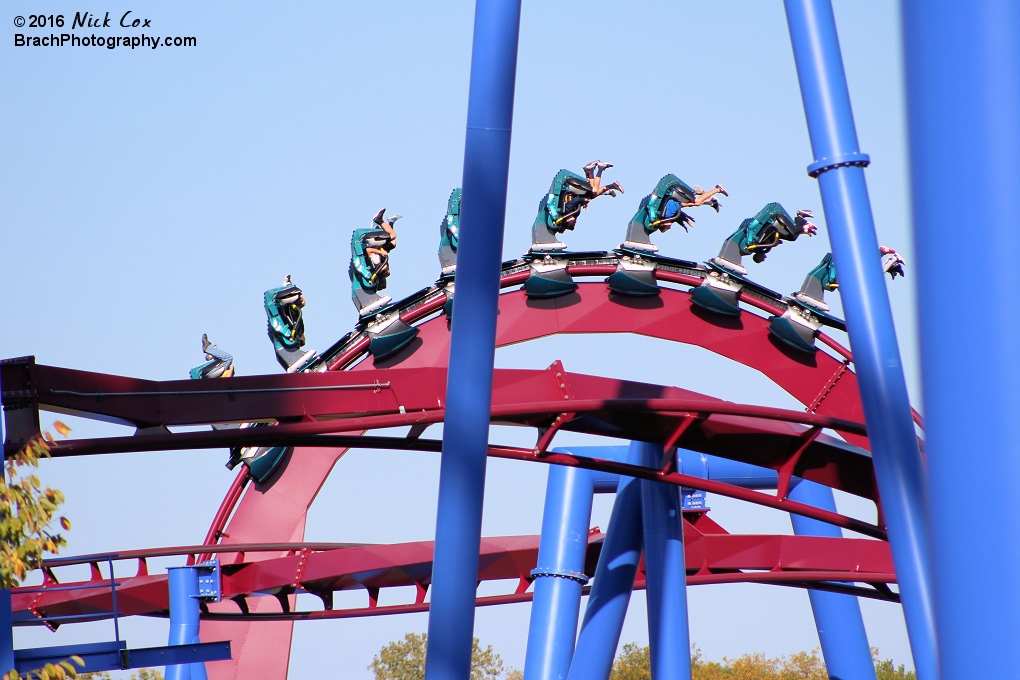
x: 822, y: 383
x: 409, y: 388
x: 713, y: 556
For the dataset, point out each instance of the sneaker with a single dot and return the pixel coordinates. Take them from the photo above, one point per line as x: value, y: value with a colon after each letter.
x: 591, y: 167
x: 379, y: 216
x: 722, y: 190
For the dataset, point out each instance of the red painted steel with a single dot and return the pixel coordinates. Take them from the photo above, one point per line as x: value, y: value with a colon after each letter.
x: 753, y: 434
x: 670, y: 316
x: 263, y: 651
x: 712, y: 555
x: 593, y: 310
x: 276, y: 511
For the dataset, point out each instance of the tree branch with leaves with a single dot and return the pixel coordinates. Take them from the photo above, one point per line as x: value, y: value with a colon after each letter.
x: 27, y: 514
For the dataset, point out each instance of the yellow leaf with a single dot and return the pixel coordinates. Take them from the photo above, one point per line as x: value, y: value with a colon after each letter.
x: 65, y: 523
x: 61, y: 428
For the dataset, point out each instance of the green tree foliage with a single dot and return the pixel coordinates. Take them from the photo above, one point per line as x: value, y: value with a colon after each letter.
x: 885, y: 670
x: 634, y: 663
x: 140, y: 674
x: 405, y: 660
x: 27, y: 511
x: 147, y: 674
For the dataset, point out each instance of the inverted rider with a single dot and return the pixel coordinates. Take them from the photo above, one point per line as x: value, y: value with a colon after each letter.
x: 370, y: 263
x: 568, y: 195
x: 822, y: 278
x: 661, y: 209
x: 757, y: 235
x: 218, y: 364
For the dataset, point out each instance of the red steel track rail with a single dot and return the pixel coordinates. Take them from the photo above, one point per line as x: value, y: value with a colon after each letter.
x: 755, y: 434
x: 713, y: 556
x: 322, y: 414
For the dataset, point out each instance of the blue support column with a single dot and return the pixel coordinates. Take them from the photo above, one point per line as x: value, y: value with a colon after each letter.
x: 837, y: 617
x: 839, y: 166
x: 963, y: 103
x: 614, y: 581
x: 473, y: 341
x: 6, y: 632
x: 559, y: 575
x: 669, y: 637
x: 184, y: 620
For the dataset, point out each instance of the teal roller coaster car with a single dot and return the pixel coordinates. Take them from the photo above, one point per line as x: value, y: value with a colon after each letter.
x: 449, y: 234
x: 558, y: 210
x: 286, y: 325
x: 756, y: 236
x: 658, y: 211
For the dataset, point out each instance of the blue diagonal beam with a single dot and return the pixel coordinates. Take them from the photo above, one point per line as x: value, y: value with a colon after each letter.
x: 473, y: 339
x: 839, y: 167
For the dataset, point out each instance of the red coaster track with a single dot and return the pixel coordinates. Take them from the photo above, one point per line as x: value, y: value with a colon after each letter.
x: 258, y: 531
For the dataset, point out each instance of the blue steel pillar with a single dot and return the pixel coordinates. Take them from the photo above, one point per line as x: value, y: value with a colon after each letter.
x: 559, y: 575
x: 669, y: 638
x: 839, y: 167
x: 837, y: 616
x: 963, y: 103
x: 614, y: 581
x: 6, y: 632
x: 473, y: 341
x: 184, y: 619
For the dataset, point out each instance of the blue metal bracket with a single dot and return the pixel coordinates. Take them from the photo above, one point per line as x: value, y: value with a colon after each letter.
x: 561, y: 573
x: 693, y: 500
x: 114, y: 655
x: 850, y: 158
x: 209, y: 580
x: 97, y: 656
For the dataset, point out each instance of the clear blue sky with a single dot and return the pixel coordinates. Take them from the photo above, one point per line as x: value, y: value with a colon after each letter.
x: 151, y: 196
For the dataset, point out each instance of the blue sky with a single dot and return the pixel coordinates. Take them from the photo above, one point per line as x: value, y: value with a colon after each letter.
x: 150, y: 196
